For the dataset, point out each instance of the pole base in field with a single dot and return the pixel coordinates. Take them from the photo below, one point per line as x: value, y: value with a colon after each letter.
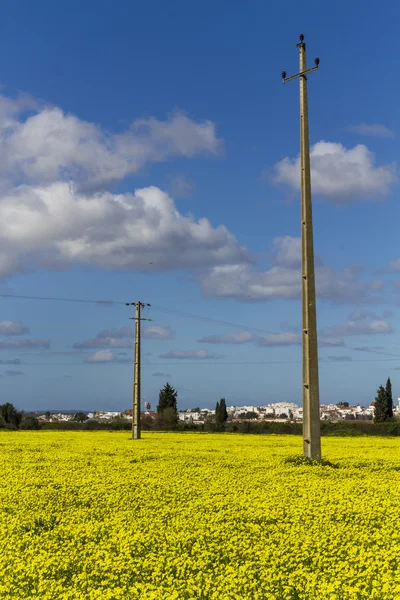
x: 312, y: 450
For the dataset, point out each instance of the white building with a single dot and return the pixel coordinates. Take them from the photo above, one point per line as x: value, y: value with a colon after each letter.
x: 188, y: 417
x: 396, y: 409
x: 107, y: 415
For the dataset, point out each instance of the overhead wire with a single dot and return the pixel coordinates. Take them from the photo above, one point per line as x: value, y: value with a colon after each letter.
x: 153, y: 307
x: 211, y: 363
x: 190, y: 316
x: 55, y: 299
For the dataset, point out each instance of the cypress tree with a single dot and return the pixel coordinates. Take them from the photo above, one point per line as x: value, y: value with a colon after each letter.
x: 167, y: 398
x: 381, y: 407
x: 389, y: 398
x: 221, y: 414
x: 223, y: 411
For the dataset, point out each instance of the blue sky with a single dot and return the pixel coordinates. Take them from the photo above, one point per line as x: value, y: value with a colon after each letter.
x: 148, y: 152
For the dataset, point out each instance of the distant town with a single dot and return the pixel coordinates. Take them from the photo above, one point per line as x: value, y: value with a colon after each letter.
x: 278, y: 411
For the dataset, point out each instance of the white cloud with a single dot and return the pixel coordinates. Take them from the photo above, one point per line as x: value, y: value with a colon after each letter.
x: 12, y: 361
x: 122, y: 332
x: 55, y: 226
x: 54, y: 170
x: 272, y: 340
x: 242, y: 282
x: 184, y: 354
x: 346, y: 285
x: 287, y: 251
x: 243, y: 337
x: 283, y: 279
x: 279, y: 339
x: 50, y: 145
x: 109, y: 338
x: 13, y: 328
x: 360, y: 323
x: 159, y: 374
x: 14, y: 344
x: 359, y: 314
x: 103, y: 343
x: 326, y: 341
x: 339, y: 173
x: 102, y: 356
x: 394, y: 266
x: 155, y: 332
x: 375, y: 130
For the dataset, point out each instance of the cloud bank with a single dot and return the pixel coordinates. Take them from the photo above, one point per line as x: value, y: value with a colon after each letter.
x: 283, y: 279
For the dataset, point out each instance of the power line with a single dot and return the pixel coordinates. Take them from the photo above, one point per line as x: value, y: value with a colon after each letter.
x: 157, y: 308
x: 103, y: 302
x: 190, y: 316
x: 279, y: 362
x: 210, y: 320
x: 199, y: 363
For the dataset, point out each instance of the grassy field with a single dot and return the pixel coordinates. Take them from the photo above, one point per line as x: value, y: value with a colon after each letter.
x: 94, y: 515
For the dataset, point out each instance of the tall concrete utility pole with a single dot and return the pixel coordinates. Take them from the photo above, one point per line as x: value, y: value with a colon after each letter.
x: 311, y: 406
x: 136, y: 370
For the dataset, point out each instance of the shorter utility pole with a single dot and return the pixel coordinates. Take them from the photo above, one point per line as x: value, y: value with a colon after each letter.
x: 136, y: 370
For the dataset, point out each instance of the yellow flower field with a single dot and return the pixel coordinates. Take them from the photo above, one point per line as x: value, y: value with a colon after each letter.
x: 97, y: 516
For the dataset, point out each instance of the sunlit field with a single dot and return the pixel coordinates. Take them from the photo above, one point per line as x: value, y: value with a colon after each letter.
x: 95, y: 515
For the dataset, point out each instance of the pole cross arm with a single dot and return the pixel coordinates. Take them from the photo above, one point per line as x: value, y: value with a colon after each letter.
x: 286, y: 79
x: 142, y: 304
x: 141, y: 319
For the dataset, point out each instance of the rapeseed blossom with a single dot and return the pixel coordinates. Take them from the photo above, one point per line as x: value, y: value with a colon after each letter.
x: 97, y: 516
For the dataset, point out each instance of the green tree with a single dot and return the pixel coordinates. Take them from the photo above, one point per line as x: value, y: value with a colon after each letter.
x: 381, y: 406
x: 249, y: 415
x: 47, y: 415
x: 167, y: 398
x: 210, y: 423
x: 221, y: 414
x: 389, y: 398
x: 119, y: 423
x: 147, y: 422
x: 167, y: 419
x: 80, y: 417
x: 167, y: 414
x: 10, y: 415
x: 29, y: 422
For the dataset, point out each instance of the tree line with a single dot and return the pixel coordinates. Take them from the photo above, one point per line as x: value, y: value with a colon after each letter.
x: 11, y: 418
x: 167, y: 419
x: 167, y: 412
